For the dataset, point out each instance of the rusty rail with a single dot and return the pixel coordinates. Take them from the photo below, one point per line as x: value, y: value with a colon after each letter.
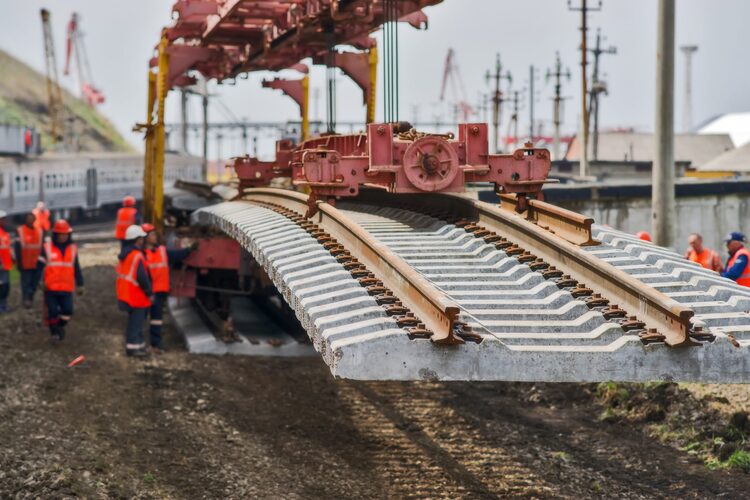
x: 570, y: 226
x: 656, y: 309
x: 432, y: 306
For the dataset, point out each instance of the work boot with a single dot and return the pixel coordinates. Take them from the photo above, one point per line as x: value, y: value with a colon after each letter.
x: 136, y: 353
x: 27, y: 303
x: 157, y: 349
x: 55, y: 339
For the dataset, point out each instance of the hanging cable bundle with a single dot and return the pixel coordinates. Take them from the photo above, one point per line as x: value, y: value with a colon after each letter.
x: 331, y: 84
x: 390, y: 61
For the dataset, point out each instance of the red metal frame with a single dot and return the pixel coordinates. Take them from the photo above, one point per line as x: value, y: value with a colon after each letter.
x: 225, y: 38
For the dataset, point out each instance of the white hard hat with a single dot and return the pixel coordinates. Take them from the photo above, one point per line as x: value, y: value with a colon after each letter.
x: 134, y: 231
x: 3, y: 214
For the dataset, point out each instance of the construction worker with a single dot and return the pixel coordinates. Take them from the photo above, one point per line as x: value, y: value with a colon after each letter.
x: 134, y: 289
x: 126, y: 216
x: 6, y: 263
x: 28, y: 248
x: 62, y: 275
x: 159, y: 259
x: 738, y: 265
x: 706, y: 257
x: 42, y: 217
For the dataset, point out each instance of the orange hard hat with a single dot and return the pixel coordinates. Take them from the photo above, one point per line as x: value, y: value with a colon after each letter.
x: 147, y: 227
x: 128, y: 201
x: 62, y: 227
x: 643, y: 235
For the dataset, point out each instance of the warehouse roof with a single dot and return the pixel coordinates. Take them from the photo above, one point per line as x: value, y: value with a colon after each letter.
x: 736, y: 160
x: 637, y: 146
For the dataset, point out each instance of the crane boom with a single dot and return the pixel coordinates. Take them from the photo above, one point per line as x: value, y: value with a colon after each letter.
x: 54, y: 93
x: 452, y: 74
x: 76, y: 48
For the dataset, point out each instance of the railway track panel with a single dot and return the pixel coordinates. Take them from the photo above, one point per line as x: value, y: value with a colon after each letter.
x: 528, y: 321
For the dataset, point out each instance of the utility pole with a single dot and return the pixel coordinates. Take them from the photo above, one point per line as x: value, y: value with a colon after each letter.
x: 531, y: 103
x: 558, y: 75
x: 597, y: 87
x: 687, y: 112
x: 513, y: 123
x: 663, y: 202
x: 184, y: 121
x: 497, y: 99
x: 204, y: 103
x: 584, y: 135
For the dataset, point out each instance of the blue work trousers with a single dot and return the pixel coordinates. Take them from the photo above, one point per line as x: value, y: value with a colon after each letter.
x: 157, y: 318
x: 29, y: 282
x: 134, y: 330
x: 59, y: 311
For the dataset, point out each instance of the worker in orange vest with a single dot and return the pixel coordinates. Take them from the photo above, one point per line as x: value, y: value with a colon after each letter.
x: 159, y: 260
x: 134, y: 289
x: 126, y: 216
x: 706, y: 257
x: 28, y: 248
x: 738, y: 265
x: 62, y: 275
x: 42, y: 217
x: 6, y: 263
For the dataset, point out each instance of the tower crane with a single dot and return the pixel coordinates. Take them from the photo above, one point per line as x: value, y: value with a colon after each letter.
x: 452, y: 75
x: 54, y: 93
x: 76, y: 49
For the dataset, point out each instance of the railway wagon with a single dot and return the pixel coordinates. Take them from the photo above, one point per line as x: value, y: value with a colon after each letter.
x: 85, y: 181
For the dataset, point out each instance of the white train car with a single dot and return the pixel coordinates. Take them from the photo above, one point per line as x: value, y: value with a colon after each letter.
x: 87, y: 181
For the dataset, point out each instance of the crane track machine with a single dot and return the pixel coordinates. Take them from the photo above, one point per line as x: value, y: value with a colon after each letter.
x: 390, y: 270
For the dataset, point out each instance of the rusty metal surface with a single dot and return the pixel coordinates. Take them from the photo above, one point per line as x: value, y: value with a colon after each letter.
x: 658, y: 311
x: 570, y: 226
x: 433, y: 307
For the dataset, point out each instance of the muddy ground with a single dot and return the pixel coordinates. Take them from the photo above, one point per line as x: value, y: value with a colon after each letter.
x: 184, y: 426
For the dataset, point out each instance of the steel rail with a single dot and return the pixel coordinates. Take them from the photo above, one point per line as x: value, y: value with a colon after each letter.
x: 656, y: 309
x: 572, y: 226
x: 432, y: 306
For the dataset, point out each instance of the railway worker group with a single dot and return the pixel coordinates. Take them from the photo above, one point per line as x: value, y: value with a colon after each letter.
x: 45, y: 252
x: 142, y: 282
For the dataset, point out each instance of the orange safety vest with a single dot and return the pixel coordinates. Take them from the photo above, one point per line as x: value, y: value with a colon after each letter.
x: 59, y: 273
x: 705, y: 258
x: 31, y: 246
x: 42, y: 219
x: 744, y: 278
x: 158, y: 268
x: 125, y: 219
x: 127, y: 287
x: 6, y: 257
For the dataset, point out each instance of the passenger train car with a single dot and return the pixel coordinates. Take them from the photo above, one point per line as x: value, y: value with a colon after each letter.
x: 86, y: 182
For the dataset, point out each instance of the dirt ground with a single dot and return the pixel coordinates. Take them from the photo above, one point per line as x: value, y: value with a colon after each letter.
x: 185, y: 426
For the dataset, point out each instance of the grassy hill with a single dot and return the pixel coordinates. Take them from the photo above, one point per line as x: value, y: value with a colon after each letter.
x: 23, y: 101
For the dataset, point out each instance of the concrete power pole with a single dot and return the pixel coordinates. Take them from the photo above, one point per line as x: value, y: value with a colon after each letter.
x: 597, y: 87
x: 584, y: 9
x: 687, y: 112
x: 558, y: 75
x: 531, y: 103
x: 663, y: 199
x: 184, y: 121
x: 204, y: 103
x: 497, y: 99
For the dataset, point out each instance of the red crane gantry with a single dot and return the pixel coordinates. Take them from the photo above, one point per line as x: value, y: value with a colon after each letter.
x: 225, y: 39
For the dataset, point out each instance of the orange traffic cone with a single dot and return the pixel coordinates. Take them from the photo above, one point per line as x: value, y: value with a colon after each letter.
x: 80, y: 359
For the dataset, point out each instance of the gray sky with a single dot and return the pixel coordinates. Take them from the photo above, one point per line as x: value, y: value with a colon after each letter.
x: 120, y: 37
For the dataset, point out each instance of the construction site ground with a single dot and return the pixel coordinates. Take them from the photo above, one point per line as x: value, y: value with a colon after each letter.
x: 188, y: 426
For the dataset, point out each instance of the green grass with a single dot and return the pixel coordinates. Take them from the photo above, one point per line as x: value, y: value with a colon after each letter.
x: 740, y: 459
x: 23, y: 101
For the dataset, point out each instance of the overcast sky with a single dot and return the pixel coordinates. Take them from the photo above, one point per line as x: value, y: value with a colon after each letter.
x: 120, y: 37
